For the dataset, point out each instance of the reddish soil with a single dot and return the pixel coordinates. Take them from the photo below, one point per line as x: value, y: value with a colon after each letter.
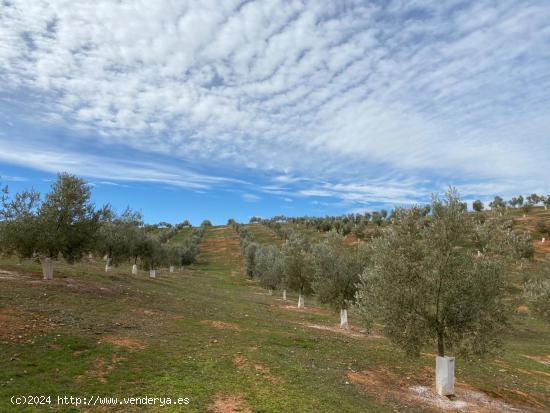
x: 125, y: 342
x: 221, y: 325
x: 17, y: 325
x: 102, y: 368
x: 541, y: 359
x: 225, y: 403
x: 351, y: 239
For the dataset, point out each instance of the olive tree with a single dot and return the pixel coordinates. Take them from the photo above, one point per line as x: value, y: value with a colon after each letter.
x: 67, y: 221
x: 526, y: 208
x: 516, y: 201
x: 336, y: 274
x: 537, y: 295
x: 189, y: 250
x: 154, y: 255
x: 64, y: 224
x: 118, y: 235
x: 18, y: 222
x: 535, y: 199
x: 249, y: 250
x: 478, y: 206
x: 498, y: 205
x: 269, y: 268
x: 425, y: 286
x: 173, y: 256
x: 298, y: 268
x: 543, y: 228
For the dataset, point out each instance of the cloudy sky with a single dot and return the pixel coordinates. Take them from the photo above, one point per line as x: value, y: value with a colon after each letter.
x: 218, y: 109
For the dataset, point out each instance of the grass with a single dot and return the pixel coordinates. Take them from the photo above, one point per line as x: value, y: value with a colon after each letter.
x: 208, y: 331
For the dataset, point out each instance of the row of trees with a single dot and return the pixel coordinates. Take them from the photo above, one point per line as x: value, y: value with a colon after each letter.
x: 330, y: 269
x: 436, y: 276
x: 367, y: 225
x: 356, y: 224
x: 66, y: 224
x: 526, y: 204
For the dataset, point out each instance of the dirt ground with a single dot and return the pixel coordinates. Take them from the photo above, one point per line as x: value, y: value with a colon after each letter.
x: 387, y: 386
x: 225, y: 403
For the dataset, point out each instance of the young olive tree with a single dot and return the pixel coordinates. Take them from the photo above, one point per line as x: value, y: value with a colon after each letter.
x: 155, y: 255
x: 269, y: 267
x: 18, y: 223
x: 498, y: 205
x: 298, y: 266
x: 424, y: 286
x: 118, y: 235
x: 249, y: 251
x: 336, y: 274
x: 478, y: 205
x: 173, y: 256
x: 537, y: 294
x: 526, y: 208
x: 67, y: 221
x: 189, y: 250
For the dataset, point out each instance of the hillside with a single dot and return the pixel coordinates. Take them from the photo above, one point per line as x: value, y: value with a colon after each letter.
x: 212, y: 335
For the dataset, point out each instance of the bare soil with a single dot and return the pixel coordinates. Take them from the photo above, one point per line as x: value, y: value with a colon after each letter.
x: 226, y: 403
x: 386, y: 385
x: 221, y: 325
x: 125, y: 342
x: 350, y: 332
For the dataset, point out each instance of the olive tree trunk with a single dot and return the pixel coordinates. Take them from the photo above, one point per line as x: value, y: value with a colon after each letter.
x: 109, y: 265
x: 343, y: 318
x: 300, y: 301
x: 284, y: 295
x: 152, y: 273
x: 134, y: 269
x: 171, y: 268
x: 47, y: 268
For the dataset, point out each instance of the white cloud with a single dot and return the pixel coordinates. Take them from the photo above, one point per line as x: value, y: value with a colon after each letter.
x: 105, y: 168
x: 250, y: 197
x: 327, y: 95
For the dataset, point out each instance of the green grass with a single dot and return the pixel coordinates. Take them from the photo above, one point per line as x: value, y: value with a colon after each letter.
x: 263, y: 234
x: 181, y: 236
x: 61, y: 337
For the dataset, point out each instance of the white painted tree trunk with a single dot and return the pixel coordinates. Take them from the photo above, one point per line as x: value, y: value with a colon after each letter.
x: 546, y: 207
x: 523, y: 215
x: 171, y: 268
x: 343, y: 318
x: 109, y: 265
x: 47, y: 268
x: 284, y: 295
x: 543, y: 240
x: 105, y: 257
x: 152, y: 273
x: 300, y: 301
x: 270, y: 292
x: 479, y: 254
x: 134, y: 269
x: 90, y: 256
x: 445, y: 375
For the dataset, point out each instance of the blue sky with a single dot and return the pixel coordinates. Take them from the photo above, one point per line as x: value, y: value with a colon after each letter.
x: 208, y: 109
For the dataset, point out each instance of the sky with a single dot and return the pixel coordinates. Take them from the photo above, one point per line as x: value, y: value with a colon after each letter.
x: 230, y: 109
